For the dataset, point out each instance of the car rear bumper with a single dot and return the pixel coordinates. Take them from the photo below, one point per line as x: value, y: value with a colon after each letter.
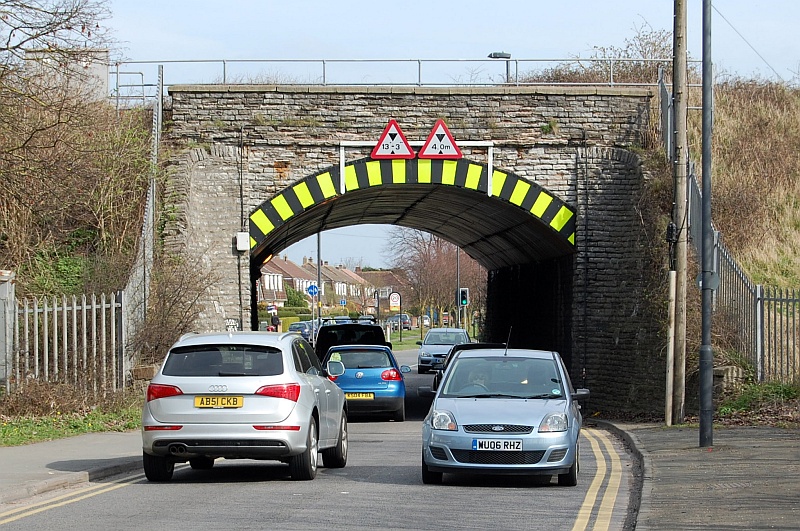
x: 377, y: 405
x: 232, y: 441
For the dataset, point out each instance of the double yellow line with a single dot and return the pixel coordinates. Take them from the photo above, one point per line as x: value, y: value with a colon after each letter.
x: 65, y: 499
x: 613, y: 476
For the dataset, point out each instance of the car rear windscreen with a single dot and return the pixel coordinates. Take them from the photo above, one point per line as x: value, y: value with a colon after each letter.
x: 224, y: 360
x: 361, y: 359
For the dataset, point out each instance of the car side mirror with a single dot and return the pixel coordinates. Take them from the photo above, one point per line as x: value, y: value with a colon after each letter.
x: 580, y: 394
x: 405, y: 368
x: 419, y: 342
x: 335, y: 368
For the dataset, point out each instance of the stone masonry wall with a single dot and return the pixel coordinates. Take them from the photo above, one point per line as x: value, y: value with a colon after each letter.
x: 569, y: 140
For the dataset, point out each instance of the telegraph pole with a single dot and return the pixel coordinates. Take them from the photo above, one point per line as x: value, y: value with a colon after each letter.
x: 679, y: 91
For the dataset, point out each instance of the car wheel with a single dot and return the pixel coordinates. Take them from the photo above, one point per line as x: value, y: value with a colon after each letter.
x: 336, y: 457
x: 420, y: 370
x: 400, y: 414
x: 201, y: 463
x: 157, y: 468
x: 570, y: 479
x: 429, y: 477
x: 303, y: 467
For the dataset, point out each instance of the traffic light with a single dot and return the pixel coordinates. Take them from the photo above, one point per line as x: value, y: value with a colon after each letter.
x: 463, y: 296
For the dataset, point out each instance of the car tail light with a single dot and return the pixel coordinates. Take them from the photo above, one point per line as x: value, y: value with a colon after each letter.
x: 332, y: 378
x: 391, y: 374
x: 156, y: 391
x: 261, y: 427
x: 163, y: 428
x: 287, y: 391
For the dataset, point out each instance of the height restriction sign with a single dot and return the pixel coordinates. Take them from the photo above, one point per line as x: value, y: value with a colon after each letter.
x: 392, y: 144
x: 440, y: 144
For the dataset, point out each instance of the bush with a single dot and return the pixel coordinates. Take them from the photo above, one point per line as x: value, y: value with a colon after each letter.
x: 755, y: 396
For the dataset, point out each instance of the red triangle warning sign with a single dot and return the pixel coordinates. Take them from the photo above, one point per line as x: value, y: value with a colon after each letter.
x: 440, y: 144
x: 392, y: 144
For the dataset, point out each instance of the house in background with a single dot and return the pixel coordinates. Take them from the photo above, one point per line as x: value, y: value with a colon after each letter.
x: 335, y: 283
x: 291, y: 274
x: 270, y: 286
x: 385, y: 282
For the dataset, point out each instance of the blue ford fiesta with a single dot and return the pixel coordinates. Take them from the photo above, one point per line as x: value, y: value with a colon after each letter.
x: 372, y: 382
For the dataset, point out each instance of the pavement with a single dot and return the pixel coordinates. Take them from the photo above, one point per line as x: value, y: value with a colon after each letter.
x: 748, y: 479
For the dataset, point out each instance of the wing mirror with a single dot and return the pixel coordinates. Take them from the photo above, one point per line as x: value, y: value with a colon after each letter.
x: 335, y: 368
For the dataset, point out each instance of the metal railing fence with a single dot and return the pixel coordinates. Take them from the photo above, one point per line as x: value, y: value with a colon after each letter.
x: 75, y: 341
x: 761, y: 324
x: 780, y: 323
x: 130, y: 79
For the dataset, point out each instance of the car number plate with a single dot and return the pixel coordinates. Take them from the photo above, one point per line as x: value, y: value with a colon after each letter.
x: 218, y: 402
x: 497, y: 445
x: 359, y: 396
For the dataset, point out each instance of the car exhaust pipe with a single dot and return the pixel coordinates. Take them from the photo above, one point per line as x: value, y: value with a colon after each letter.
x: 177, y: 449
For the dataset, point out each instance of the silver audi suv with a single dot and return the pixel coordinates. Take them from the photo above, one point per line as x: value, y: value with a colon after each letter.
x: 244, y: 395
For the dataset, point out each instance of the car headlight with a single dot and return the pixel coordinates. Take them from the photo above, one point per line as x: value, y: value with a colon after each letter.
x: 554, y: 422
x: 443, y: 420
x: 423, y: 353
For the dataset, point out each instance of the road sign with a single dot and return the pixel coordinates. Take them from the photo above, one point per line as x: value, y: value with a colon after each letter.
x: 394, y: 301
x: 392, y: 144
x: 342, y: 302
x: 440, y: 144
x: 312, y: 290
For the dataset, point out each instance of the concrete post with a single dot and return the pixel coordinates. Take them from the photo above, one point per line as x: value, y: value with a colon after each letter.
x: 7, y: 321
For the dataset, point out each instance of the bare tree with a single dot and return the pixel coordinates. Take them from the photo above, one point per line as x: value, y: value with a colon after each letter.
x: 430, y: 263
x: 73, y: 170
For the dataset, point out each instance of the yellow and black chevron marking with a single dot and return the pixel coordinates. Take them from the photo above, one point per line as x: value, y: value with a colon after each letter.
x: 366, y: 173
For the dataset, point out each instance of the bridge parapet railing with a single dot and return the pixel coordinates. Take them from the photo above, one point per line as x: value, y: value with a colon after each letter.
x: 131, y: 80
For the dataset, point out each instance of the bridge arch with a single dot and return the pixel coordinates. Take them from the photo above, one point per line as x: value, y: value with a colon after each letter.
x: 501, y: 222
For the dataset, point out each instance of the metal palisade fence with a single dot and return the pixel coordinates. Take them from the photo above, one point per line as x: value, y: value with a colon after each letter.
x: 760, y: 323
x: 70, y: 340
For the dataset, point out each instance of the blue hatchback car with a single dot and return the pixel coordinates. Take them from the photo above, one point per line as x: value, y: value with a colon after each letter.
x: 372, y: 382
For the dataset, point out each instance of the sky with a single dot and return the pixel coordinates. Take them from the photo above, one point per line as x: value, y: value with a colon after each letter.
x: 748, y: 39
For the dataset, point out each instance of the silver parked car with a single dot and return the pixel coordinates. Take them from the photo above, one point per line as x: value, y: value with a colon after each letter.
x: 503, y: 411
x: 243, y: 395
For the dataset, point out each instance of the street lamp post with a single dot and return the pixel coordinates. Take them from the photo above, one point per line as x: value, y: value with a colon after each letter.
x: 507, y: 57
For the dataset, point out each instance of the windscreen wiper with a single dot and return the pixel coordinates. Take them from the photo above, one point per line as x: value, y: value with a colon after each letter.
x: 543, y: 395
x: 492, y: 395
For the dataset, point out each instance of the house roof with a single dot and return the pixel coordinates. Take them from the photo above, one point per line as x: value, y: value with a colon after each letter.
x: 355, y: 279
x: 288, y: 269
x: 394, y: 279
x: 332, y: 273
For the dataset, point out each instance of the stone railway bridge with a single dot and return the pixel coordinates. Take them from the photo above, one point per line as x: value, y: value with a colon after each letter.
x: 555, y: 222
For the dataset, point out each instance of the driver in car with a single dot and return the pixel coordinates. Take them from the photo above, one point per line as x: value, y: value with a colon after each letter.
x: 478, y: 379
